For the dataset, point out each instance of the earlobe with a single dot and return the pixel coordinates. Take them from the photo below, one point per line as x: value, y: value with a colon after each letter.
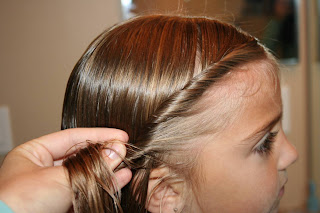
x: 165, y: 194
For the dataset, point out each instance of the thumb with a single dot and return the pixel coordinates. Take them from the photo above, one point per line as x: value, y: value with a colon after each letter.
x: 114, y: 153
x: 113, y: 156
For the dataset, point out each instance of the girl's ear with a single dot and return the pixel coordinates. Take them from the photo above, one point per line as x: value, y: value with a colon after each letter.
x: 166, y: 197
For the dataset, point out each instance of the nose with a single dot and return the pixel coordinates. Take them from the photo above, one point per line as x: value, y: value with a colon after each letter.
x: 288, y: 154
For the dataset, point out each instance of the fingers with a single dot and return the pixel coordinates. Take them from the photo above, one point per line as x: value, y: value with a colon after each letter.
x: 114, y: 154
x: 60, y: 142
x: 32, y: 162
x: 45, y: 150
x: 123, y: 177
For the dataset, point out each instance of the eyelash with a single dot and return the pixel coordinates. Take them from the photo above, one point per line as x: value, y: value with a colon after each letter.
x: 266, y: 147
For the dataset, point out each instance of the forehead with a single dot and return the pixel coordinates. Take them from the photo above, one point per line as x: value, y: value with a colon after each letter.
x: 250, y: 80
x: 248, y: 89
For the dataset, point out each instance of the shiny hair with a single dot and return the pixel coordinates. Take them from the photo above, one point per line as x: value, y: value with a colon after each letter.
x: 147, y: 76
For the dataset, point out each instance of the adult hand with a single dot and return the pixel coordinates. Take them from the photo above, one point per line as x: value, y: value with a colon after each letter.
x: 32, y: 178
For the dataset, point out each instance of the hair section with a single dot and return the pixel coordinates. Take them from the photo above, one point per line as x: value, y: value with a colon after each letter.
x: 146, y: 76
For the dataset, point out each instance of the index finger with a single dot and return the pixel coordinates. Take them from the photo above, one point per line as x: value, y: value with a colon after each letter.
x: 59, y: 143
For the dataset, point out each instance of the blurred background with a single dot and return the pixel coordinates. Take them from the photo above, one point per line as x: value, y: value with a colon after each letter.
x: 41, y: 40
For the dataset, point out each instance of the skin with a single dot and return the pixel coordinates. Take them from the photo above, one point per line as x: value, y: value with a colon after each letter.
x: 35, y: 166
x: 235, y: 177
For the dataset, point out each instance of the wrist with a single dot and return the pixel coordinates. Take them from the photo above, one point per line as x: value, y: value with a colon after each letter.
x: 4, y: 208
x: 11, y: 201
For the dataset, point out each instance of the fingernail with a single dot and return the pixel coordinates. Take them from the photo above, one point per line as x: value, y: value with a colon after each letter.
x: 112, y: 154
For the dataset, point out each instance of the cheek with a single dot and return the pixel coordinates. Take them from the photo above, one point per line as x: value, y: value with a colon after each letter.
x: 238, y: 185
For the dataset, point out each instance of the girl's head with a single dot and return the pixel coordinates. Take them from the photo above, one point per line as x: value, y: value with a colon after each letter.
x: 201, y: 103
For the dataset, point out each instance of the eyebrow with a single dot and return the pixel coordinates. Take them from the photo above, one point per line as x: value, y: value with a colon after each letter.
x: 266, y: 127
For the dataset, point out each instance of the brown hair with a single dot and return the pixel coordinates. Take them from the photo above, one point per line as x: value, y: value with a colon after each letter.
x: 145, y: 76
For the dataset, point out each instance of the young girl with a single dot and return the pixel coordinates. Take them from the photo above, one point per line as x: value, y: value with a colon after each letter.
x: 200, y: 101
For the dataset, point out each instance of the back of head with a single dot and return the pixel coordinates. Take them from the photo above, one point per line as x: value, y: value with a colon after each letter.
x: 146, y: 76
